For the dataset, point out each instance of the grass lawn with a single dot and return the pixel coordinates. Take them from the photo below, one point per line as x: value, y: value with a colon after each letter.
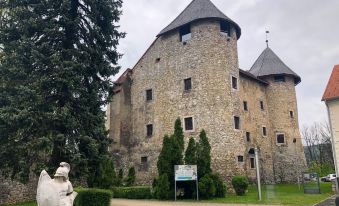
x: 285, y: 194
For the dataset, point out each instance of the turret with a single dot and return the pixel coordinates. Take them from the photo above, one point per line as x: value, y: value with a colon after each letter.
x: 283, y: 131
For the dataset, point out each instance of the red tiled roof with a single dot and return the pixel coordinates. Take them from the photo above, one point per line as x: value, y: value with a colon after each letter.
x: 332, y: 89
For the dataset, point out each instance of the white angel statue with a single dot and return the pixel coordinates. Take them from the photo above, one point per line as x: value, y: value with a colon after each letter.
x: 57, y: 191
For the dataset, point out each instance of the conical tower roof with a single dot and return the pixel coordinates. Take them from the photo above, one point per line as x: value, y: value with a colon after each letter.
x: 268, y: 63
x: 196, y: 10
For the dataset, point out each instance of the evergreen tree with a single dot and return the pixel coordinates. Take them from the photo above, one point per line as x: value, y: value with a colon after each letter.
x: 191, y: 153
x: 203, y: 155
x: 120, y: 177
x: 56, y: 61
x: 130, y: 180
x: 106, y: 177
x: 179, y: 134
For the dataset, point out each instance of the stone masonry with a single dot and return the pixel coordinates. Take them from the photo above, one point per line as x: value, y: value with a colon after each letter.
x: 210, y: 59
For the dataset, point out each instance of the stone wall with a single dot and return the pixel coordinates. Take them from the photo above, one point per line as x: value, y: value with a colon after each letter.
x: 210, y: 59
x: 13, y: 191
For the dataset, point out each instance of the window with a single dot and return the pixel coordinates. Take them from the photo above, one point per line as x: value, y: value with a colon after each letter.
x: 252, y: 164
x: 248, y: 136
x: 188, y: 84
x: 144, y: 163
x: 188, y: 123
x: 291, y: 114
x: 279, y: 79
x: 240, y: 158
x: 149, y: 128
x: 234, y: 82
x: 264, y: 131
x: 225, y: 28
x: 185, y: 33
x: 236, y: 122
x: 149, y: 95
x: 245, y: 106
x: 262, y: 105
x: 144, y: 160
x: 281, y: 138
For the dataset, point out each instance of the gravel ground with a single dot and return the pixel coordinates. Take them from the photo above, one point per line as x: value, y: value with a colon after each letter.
x: 122, y: 202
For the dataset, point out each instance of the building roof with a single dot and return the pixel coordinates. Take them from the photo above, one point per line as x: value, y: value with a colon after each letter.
x: 268, y: 63
x: 332, y: 89
x: 251, y: 76
x: 196, y: 10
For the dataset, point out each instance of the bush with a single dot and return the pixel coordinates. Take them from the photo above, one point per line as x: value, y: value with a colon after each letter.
x: 93, y: 197
x: 105, y: 177
x: 162, y: 188
x: 207, y: 188
x: 132, y: 192
x: 240, y: 185
x: 220, y: 186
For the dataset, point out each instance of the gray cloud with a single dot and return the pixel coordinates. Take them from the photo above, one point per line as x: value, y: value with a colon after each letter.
x: 303, y: 33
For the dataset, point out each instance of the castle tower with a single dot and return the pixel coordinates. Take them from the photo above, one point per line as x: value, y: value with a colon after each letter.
x: 283, y: 131
x: 191, y: 72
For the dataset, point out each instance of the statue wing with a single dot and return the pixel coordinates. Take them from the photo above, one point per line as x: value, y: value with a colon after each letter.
x: 47, y: 192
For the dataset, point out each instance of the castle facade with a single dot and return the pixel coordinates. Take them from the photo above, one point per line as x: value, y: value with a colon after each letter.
x: 191, y: 71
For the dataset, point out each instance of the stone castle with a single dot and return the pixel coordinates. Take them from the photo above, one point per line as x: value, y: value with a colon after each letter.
x: 191, y: 71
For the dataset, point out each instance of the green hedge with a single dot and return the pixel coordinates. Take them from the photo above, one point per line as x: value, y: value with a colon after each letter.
x: 93, y: 197
x: 140, y: 192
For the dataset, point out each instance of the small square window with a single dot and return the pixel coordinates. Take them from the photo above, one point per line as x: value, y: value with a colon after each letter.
x: 252, y: 163
x: 236, y: 122
x: 264, y: 131
x: 188, y: 84
x: 248, y: 136
x: 280, y: 138
x: 279, y: 79
x: 234, y: 82
x: 262, y: 105
x: 188, y: 123
x: 225, y: 28
x: 149, y: 95
x: 144, y: 160
x: 149, y: 128
x: 240, y: 158
x: 291, y: 114
x: 245, y: 106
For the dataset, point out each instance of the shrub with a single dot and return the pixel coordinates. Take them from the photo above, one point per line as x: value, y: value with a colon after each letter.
x: 93, y: 197
x: 206, y: 187
x: 140, y: 192
x: 105, y: 177
x: 130, y: 177
x: 220, y: 186
x: 240, y: 184
x: 162, y: 188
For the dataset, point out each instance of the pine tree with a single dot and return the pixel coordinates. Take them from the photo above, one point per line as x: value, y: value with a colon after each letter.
x: 179, y: 134
x: 191, y: 153
x: 203, y: 155
x: 120, y: 177
x: 130, y: 180
x: 56, y: 61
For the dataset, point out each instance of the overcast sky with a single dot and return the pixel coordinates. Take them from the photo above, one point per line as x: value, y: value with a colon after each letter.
x: 303, y: 33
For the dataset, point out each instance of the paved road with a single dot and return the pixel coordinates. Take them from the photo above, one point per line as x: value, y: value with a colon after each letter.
x: 328, y: 202
x: 122, y: 202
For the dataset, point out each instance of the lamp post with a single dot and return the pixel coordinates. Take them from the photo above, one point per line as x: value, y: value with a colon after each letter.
x: 258, y: 171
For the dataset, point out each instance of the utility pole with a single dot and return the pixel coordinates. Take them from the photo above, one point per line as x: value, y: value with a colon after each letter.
x: 258, y: 172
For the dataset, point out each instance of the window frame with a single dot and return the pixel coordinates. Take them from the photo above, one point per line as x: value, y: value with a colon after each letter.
x: 262, y: 105
x: 240, y: 159
x: 291, y: 114
x: 185, y: 31
x: 276, y: 138
x: 190, y: 84
x: 245, y: 106
x: 147, y: 95
x: 184, y: 121
x: 279, y: 78
x: 252, y: 159
x: 264, y: 131
x: 236, y: 83
x: 248, y: 136
x: 234, y: 122
x: 152, y: 130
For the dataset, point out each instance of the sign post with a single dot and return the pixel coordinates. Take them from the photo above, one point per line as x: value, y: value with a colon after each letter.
x: 185, y: 173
